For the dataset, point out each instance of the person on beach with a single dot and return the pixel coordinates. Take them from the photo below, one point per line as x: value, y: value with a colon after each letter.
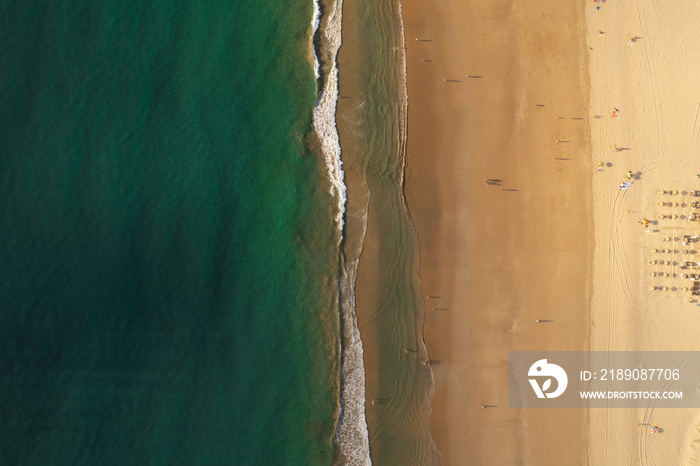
x: 599, y: 168
x: 629, y: 175
x: 623, y: 186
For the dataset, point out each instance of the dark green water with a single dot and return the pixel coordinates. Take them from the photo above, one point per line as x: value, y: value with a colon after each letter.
x: 167, y: 261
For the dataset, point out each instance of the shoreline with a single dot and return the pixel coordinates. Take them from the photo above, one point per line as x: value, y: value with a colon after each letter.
x: 512, y: 94
x: 499, y: 259
x: 351, y: 437
x: 380, y: 238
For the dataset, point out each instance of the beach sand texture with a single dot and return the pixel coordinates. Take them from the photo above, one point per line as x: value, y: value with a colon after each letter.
x: 525, y: 93
x: 500, y: 256
x: 654, y: 83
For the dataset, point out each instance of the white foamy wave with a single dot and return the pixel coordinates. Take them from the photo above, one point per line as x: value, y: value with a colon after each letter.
x: 324, y: 112
x: 315, y: 21
x: 351, y: 435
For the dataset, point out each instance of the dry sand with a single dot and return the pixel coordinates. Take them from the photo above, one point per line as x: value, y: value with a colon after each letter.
x: 655, y: 84
x: 500, y: 259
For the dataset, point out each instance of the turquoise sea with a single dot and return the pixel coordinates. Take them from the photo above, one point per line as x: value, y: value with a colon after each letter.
x: 168, y: 254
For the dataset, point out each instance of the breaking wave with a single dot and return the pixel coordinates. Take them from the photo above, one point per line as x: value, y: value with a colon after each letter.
x: 351, y: 435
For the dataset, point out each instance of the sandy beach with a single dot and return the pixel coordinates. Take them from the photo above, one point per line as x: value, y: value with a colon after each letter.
x: 537, y: 96
x: 653, y: 81
x: 487, y: 82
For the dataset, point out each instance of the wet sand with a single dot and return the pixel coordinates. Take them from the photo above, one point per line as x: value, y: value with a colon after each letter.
x: 380, y: 236
x: 500, y: 256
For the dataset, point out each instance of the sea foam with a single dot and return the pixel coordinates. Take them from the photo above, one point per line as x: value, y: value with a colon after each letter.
x: 314, y: 24
x: 324, y: 112
x: 351, y: 436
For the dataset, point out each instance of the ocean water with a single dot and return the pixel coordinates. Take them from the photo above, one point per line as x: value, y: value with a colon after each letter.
x: 168, y: 243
